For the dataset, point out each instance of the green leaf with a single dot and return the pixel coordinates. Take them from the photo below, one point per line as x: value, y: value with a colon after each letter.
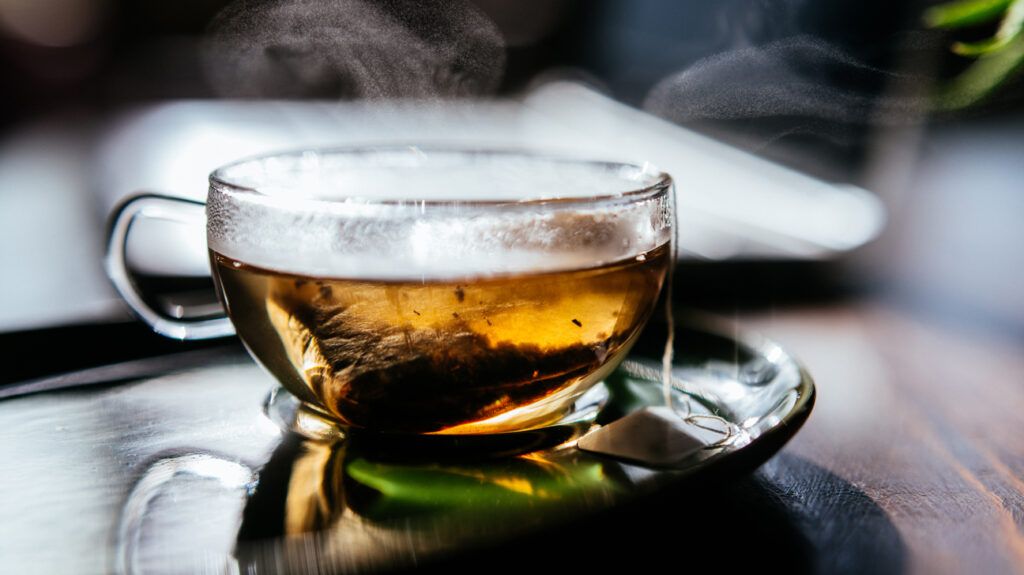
x: 406, y: 490
x: 964, y: 13
x: 982, y: 77
x: 979, y: 48
x: 1011, y: 27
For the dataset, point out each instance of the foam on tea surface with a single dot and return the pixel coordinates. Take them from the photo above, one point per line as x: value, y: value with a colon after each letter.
x: 408, y: 215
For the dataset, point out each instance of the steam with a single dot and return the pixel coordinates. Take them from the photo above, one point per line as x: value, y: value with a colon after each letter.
x: 353, y: 49
x: 792, y: 77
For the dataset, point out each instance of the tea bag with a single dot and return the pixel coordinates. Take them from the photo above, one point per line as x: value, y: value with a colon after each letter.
x: 655, y: 436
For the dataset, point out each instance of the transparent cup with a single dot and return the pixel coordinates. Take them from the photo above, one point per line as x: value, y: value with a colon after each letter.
x: 425, y: 291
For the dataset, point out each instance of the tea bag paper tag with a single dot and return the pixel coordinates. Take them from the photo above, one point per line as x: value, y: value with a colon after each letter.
x: 654, y: 436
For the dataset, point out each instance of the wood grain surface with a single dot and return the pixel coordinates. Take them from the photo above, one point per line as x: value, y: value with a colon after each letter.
x: 920, y: 422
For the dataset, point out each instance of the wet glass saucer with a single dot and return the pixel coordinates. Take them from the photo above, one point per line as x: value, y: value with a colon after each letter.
x: 174, y: 464
x: 378, y: 502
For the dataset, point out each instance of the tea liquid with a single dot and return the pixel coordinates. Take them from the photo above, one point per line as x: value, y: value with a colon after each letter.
x: 471, y: 355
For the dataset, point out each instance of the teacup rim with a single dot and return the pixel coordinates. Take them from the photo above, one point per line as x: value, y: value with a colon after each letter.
x: 660, y: 181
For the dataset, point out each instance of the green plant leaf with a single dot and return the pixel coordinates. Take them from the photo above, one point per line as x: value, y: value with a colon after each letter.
x: 964, y: 13
x: 982, y: 77
x: 1011, y: 27
x: 979, y: 48
x: 483, y: 489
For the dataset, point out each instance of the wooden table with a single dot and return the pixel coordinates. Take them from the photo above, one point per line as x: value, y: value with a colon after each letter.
x: 913, y: 459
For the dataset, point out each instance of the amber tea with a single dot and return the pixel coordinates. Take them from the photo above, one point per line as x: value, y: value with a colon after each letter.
x: 459, y: 356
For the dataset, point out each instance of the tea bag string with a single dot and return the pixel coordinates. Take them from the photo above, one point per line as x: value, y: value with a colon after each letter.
x: 685, y: 392
x: 668, y: 355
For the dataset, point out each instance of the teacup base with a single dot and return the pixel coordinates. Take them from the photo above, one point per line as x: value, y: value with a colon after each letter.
x: 292, y: 415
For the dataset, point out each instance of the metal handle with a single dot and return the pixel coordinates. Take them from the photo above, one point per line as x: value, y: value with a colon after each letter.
x: 162, y: 208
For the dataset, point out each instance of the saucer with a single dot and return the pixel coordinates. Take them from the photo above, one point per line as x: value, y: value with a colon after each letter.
x: 141, y: 451
x: 723, y: 396
x: 369, y: 502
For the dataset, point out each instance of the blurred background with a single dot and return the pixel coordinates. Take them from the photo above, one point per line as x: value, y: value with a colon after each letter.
x: 821, y: 148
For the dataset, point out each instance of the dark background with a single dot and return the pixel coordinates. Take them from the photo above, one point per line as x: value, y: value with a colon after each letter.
x: 119, y: 53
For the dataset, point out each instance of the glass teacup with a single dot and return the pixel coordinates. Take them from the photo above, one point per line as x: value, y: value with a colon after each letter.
x: 411, y: 290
